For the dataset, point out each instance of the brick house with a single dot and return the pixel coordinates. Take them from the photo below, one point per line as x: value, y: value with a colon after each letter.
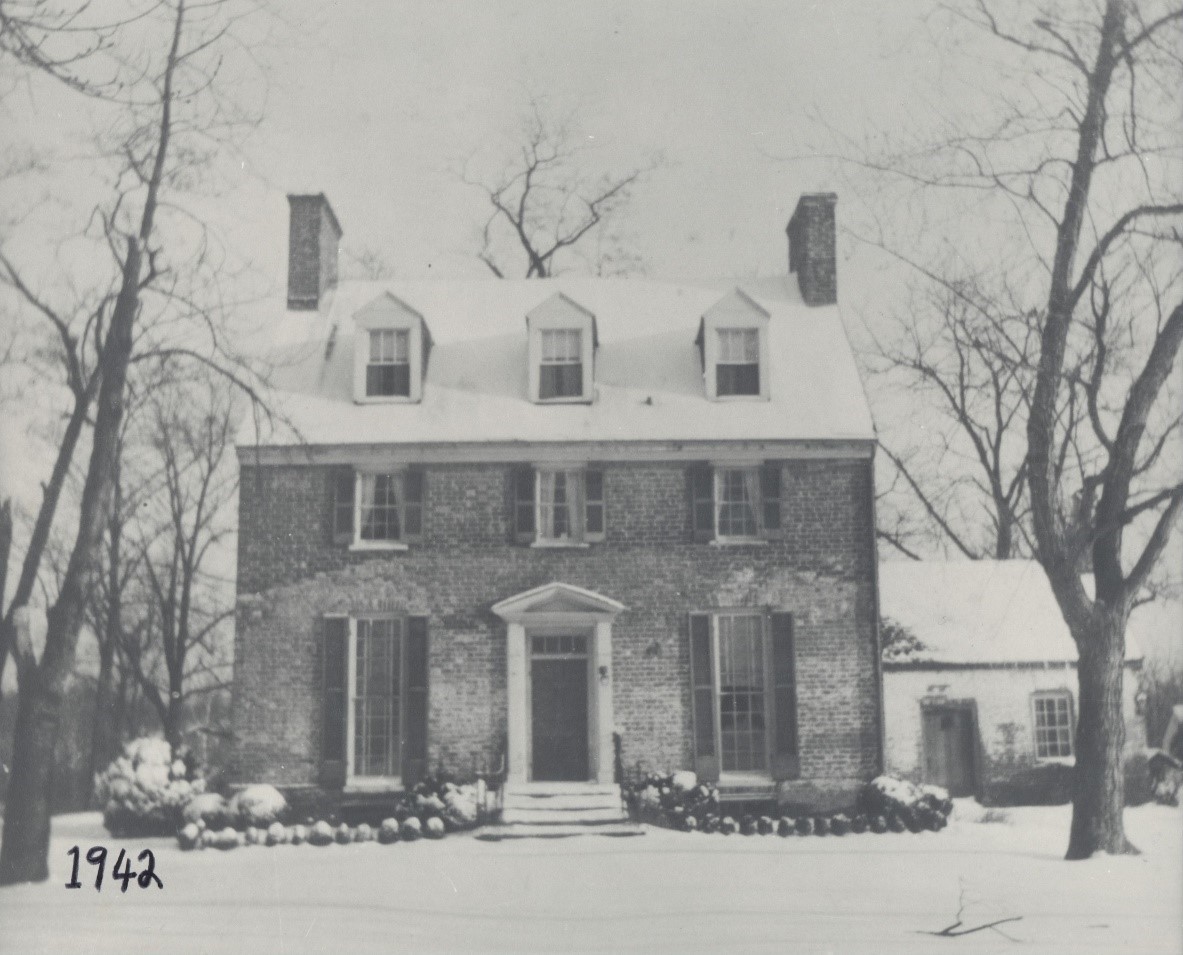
x: 495, y: 524
x: 982, y: 699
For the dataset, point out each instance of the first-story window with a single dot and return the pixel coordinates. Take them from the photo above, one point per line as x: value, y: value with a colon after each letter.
x: 558, y: 505
x: 375, y: 717
x: 1053, y: 725
x: 388, y: 371
x: 736, y: 503
x: 377, y: 509
x: 744, y: 694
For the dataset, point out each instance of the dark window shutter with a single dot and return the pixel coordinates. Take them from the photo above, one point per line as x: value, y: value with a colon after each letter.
x: 786, y: 763
x: 593, y: 502
x: 335, y: 669
x: 523, y: 505
x: 701, y: 482
x: 702, y: 684
x: 415, y: 668
x: 342, y: 495
x: 413, y: 490
x: 770, y: 477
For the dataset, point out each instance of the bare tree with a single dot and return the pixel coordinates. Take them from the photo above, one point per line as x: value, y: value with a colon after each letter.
x: 171, y: 645
x: 1076, y: 165
x: 545, y: 202
x: 171, y: 114
x: 965, y: 356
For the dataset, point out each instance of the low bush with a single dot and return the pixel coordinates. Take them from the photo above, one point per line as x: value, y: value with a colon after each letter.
x: 145, y: 790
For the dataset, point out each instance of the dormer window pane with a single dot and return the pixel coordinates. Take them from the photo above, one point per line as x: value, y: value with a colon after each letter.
x: 388, y: 372
x: 561, y: 374
x: 738, y: 368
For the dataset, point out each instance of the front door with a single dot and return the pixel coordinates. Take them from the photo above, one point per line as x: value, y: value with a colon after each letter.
x: 949, y: 749
x: 558, y: 678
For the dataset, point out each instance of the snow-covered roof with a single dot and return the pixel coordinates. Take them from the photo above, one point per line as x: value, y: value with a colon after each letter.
x: 977, y: 612
x: 648, y: 373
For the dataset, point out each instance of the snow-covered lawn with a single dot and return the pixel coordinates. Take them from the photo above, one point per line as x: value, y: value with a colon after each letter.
x: 664, y: 892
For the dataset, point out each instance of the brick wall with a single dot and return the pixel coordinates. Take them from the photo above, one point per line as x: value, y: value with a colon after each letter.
x: 1001, y: 699
x: 290, y: 574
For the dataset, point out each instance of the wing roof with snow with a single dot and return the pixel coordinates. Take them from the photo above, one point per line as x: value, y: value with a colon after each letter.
x: 977, y: 611
x: 648, y: 374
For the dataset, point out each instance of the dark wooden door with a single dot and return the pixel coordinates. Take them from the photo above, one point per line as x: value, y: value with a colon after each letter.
x: 559, y: 705
x: 949, y: 749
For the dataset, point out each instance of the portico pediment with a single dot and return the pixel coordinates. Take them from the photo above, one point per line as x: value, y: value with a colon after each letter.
x: 557, y: 599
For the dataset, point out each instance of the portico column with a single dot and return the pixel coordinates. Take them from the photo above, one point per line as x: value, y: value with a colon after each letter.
x: 605, y: 764
x: 515, y: 698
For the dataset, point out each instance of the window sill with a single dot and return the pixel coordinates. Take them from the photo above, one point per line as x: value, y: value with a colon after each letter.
x: 575, y: 400
x: 740, y: 398
x: 374, y: 784
x: 397, y: 546
x: 386, y: 400
x: 560, y: 545
x: 739, y: 542
x: 1055, y: 760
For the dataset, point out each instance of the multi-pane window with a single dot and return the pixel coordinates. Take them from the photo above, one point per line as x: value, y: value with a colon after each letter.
x: 742, y: 693
x: 376, y: 698
x: 389, y: 506
x: 561, y: 371
x: 740, y: 503
x: 737, y: 369
x: 1053, y: 725
x: 388, y: 371
x: 558, y: 505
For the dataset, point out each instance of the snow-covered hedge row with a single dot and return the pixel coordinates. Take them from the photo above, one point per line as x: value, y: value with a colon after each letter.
x: 433, y: 808
x: 144, y: 791
x: 886, y: 804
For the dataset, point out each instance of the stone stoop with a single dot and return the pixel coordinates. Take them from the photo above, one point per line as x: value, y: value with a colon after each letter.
x: 559, y: 811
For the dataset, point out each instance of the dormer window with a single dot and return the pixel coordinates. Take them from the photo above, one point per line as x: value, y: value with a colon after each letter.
x: 562, y: 344
x: 561, y: 373
x: 733, y: 347
x: 390, y: 351
x: 388, y: 373
x: 737, y: 372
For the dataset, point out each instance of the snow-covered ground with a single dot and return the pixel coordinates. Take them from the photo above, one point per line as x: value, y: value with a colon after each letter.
x: 665, y: 892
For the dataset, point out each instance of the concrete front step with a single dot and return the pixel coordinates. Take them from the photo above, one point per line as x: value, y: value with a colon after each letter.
x: 567, y: 831
x: 569, y: 803
x: 562, y: 789
x: 556, y: 817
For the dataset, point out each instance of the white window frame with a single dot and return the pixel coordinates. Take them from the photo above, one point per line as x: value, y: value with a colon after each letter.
x: 752, y: 334
x: 354, y: 782
x: 382, y: 362
x: 359, y: 543
x: 736, y: 311
x: 1060, y: 694
x: 739, y: 776
x: 388, y: 313
x: 559, y: 313
x: 576, y: 477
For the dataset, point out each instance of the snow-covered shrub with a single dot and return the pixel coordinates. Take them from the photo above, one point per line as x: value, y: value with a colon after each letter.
x: 343, y: 835
x: 804, y: 826
x: 144, y: 791
x: 821, y: 826
x: 859, y: 824
x: 189, y: 836
x: 363, y: 833
x: 321, y: 833
x: 228, y: 839
x: 670, y: 800
x: 208, y: 810
x: 298, y: 835
x: 411, y: 829
x: 388, y: 831
x: 916, y: 808
x: 277, y: 834
x: 258, y: 805
x: 786, y: 826
x: 840, y: 824
x: 434, y: 828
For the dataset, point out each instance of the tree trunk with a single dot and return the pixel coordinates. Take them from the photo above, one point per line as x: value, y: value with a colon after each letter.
x: 106, y: 723
x: 24, y: 854
x: 173, y: 720
x: 1098, y: 782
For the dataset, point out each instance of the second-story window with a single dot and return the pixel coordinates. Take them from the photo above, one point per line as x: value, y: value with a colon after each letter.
x: 558, y: 506
x: 738, y: 369
x: 378, y: 510
x: 736, y: 503
x: 561, y: 372
x: 388, y: 371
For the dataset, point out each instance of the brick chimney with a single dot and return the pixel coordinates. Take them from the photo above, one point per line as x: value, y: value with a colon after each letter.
x: 812, y: 253
x: 313, y: 237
